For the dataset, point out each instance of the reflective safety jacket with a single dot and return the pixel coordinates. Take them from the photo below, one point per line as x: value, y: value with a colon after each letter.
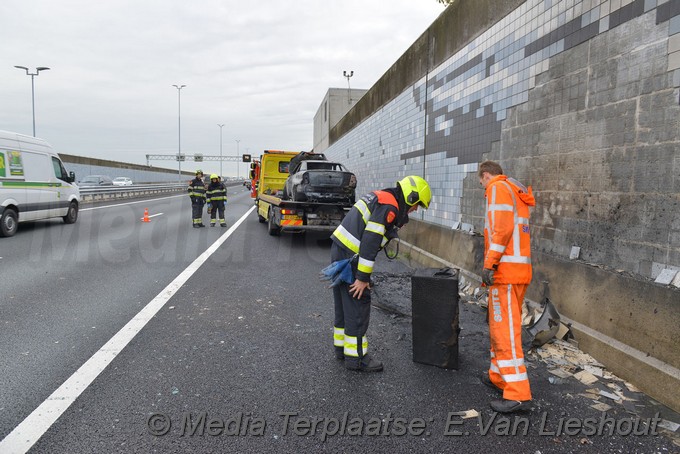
x: 367, y: 228
x: 507, y: 244
x: 197, y: 190
x: 216, y: 192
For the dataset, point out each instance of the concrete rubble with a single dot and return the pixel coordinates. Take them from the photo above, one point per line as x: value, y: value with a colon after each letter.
x: 566, y: 362
x: 564, y: 365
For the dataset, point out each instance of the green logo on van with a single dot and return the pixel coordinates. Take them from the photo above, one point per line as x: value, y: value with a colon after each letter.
x: 16, y: 166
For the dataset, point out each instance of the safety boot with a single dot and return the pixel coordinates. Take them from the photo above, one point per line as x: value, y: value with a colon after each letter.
x: 196, y: 226
x: 510, y: 406
x: 223, y: 225
x: 212, y: 224
x: 363, y: 364
x: 339, y: 353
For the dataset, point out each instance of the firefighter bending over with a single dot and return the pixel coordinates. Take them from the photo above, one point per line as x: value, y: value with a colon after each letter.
x: 365, y: 230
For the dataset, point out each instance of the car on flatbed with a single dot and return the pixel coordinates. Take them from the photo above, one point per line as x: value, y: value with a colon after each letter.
x: 279, y: 209
x: 318, y: 180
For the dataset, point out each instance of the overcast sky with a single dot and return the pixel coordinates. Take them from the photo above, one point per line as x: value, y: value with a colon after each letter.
x: 261, y: 68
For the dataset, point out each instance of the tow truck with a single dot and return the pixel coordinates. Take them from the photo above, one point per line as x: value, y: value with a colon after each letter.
x: 281, y: 214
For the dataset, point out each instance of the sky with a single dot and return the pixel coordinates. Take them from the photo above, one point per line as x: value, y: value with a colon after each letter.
x: 261, y: 68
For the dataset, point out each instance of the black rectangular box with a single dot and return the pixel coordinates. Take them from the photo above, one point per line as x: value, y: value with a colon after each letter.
x: 434, y: 303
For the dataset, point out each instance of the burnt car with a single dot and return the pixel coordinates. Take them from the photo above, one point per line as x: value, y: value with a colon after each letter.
x: 314, y: 179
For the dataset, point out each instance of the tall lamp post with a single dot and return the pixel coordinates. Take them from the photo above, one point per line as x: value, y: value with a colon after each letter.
x: 37, y: 71
x: 221, y: 174
x: 238, y: 173
x: 349, y: 90
x: 179, y: 130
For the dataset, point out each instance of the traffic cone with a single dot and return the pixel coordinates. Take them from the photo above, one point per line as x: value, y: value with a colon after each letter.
x: 146, y: 215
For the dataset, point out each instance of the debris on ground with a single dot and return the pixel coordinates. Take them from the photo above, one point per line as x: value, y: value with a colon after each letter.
x: 564, y: 365
x: 669, y: 425
x: 472, y: 413
x: 552, y: 342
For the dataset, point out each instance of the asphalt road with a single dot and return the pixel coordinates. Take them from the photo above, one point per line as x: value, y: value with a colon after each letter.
x: 239, y: 357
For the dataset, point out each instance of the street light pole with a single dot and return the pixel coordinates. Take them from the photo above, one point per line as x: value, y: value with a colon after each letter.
x: 37, y: 71
x: 349, y: 90
x: 179, y: 130
x: 221, y: 174
x: 238, y: 173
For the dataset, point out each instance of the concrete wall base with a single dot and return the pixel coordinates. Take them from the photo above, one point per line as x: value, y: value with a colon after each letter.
x: 629, y: 325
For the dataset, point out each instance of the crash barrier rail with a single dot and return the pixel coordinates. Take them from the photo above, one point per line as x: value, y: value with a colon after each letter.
x: 92, y: 194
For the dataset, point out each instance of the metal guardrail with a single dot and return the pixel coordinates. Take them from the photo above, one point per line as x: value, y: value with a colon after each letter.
x: 93, y: 194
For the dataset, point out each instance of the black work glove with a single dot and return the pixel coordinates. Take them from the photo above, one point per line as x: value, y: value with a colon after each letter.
x: 487, y: 276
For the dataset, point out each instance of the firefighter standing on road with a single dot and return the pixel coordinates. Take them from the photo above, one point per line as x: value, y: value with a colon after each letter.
x: 364, y: 231
x: 507, y: 273
x: 216, y: 195
x: 197, y: 194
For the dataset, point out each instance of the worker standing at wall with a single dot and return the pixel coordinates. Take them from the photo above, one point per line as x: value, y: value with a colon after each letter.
x: 364, y: 231
x: 216, y: 195
x: 197, y: 195
x: 507, y: 273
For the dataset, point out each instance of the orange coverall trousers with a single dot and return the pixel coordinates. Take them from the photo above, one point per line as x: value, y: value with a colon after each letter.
x: 507, y: 370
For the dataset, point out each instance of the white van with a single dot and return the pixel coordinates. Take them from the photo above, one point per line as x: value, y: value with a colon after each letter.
x: 33, y: 183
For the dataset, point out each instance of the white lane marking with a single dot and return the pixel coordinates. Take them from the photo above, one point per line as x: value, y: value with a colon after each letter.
x: 131, y: 203
x: 153, y: 215
x: 29, y: 431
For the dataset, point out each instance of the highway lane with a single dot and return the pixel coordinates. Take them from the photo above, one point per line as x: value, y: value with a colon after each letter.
x: 66, y: 289
x: 247, y: 340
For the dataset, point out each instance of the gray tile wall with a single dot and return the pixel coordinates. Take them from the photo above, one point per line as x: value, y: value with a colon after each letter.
x: 578, y: 99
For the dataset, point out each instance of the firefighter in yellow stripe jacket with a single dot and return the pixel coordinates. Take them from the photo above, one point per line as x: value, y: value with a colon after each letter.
x: 216, y: 195
x: 197, y: 194
x: 507, y: 273
x: 365, y: 230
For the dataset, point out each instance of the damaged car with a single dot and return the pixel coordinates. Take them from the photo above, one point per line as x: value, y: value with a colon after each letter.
x: 315, y: 179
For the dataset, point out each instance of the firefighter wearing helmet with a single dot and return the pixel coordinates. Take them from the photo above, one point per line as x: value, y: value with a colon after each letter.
x: 367, y: 228
x: 216, y: 195
x: 197, y: 195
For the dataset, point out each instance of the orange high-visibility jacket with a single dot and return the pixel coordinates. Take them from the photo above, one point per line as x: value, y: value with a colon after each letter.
x: 507, y: 244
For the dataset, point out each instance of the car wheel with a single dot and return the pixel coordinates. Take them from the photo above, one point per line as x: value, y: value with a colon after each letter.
x: 9, y: 222
x: 72, y: 213
x: 272, y: 228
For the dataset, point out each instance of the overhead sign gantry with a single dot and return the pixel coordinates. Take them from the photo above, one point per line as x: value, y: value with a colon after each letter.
x: 197, y: 157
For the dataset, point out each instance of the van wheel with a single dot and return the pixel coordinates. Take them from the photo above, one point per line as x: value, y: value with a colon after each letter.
x: 72, y: 213
x: 9, y: 222
x: 272, y: 228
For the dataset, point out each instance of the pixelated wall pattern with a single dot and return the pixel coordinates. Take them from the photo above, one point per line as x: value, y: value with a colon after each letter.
x: 532, y: 85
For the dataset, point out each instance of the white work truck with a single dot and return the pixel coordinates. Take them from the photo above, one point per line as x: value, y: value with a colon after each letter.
x: 33, y: 183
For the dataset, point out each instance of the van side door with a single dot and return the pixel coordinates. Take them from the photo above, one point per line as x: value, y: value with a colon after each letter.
x: 40, y: 190
x: 12, y: 187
